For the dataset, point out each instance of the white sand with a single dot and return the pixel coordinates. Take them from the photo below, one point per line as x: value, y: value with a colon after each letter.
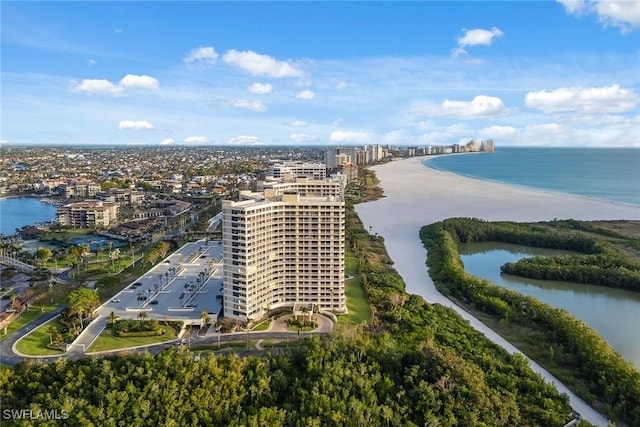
x: 416, y: 196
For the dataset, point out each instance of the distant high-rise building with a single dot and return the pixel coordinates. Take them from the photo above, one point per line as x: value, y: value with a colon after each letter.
x: 283, y: 247
x: 487, y: 146
x: 298, y: 169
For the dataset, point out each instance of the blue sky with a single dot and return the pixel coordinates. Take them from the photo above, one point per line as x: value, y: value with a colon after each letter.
x: 321, y: 73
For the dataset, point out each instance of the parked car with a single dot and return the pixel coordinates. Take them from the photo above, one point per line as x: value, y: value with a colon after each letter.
x: 154, y: 302
x: 192, y: 304
x: 116, y: 299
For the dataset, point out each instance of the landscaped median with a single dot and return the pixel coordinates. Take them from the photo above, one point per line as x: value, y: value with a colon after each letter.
x: 107, y: 340
x: 36, y: 342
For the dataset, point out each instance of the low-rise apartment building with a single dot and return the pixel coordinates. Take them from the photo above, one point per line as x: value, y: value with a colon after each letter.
x: 88, y: 214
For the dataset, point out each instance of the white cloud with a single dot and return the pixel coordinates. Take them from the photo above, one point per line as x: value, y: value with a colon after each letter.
x: 3, y: 141
x: 132, y: 81
x: 348, y: 136
x: 260, y: 88
x: 117, y: 30
x: 167, y: 141
x: 398, y: 137
x: 306, y: 95
x: 249, y: 105
x: 260, y: 65
x: 479, y: 36
x: 341, y: 85
x: 105, y: 87
x: 243, y: 140
x: 302, y: 137
x: 298, y: 123
x: 620, y: 13
x: 97, y: 87
x: 607, y: 99
x: 573, y: 7
x: 476, y: 37
x: 498, y: 132
x: 480, y: 106
x: 196, y: 139
x: 202, y: 55
x: 624, y: 14
x: 135, y: 125
x: 92, y: 62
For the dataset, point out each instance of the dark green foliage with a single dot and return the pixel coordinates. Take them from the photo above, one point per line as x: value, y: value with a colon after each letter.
x: 609, y: 381
x: 137, y: 328
x: 414, y: 364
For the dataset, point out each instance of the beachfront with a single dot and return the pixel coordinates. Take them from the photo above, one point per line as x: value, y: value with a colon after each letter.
x: 416, y: 196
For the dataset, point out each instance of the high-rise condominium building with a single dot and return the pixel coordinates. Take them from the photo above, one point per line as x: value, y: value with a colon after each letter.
x: 283, y: 248
x: 298, y: 169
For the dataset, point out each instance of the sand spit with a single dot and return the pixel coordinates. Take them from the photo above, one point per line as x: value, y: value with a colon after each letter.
x: 416, y: 196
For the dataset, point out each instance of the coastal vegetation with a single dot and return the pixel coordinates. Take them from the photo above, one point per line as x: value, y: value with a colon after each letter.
x: 411, y: 364
x: 565, y: 346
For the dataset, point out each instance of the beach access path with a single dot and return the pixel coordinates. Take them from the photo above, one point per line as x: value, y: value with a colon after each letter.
x: 415, y: 195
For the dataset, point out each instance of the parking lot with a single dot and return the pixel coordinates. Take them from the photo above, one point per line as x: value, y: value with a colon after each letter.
x: 178, y: 288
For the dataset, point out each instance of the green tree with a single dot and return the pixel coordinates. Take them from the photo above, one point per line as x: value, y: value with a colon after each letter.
x: 82, y: 302
x: 204, y: 319
x: 43, y: 254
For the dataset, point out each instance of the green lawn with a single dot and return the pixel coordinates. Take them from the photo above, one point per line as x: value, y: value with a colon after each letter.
x: 350, y: 262
x: 106, y: 340
x: 35, y: 344
x: 357, y: 303
x: 25, y: 318
x: 262, y: 326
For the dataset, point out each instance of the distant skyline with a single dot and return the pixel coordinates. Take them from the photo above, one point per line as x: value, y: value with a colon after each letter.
x: 524, y: 73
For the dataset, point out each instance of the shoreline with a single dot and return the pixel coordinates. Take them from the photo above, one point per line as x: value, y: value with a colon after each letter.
x: 416, y: 195
x: 523, y: 187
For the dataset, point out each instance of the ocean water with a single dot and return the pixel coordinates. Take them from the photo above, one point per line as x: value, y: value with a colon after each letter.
x: 611, y: 174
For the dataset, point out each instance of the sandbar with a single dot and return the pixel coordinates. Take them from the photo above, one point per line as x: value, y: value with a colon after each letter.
x: 416, y: 195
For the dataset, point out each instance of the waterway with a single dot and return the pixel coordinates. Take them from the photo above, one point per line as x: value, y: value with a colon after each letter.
x: 613, y: 313
x: 21, y: 211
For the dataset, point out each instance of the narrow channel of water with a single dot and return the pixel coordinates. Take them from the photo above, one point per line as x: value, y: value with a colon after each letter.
x: 613, y: 313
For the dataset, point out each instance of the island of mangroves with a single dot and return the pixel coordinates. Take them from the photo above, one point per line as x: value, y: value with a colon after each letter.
x: 604, y: 253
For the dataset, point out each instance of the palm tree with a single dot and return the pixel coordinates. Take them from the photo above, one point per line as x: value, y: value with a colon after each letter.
x: 112, y: 318
x: 52, y: 331
x: 143, y: 316
x: 304, y: 311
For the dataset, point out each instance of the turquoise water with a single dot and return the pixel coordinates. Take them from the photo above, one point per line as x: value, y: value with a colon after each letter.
x: 21, y: 211
x: 611, y: 174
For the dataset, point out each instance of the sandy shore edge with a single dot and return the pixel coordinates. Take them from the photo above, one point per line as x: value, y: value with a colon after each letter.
x: 416, y: 195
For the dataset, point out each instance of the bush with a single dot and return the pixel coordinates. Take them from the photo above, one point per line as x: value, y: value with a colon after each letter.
x: 139, y: 334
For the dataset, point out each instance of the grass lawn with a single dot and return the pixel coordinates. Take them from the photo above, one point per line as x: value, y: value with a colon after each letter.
x: 106, y: 340
x: 350, y: 262
x: 357, y: 304
x: 25, y: 318
x: 35, y: 344
x: 262, y: 326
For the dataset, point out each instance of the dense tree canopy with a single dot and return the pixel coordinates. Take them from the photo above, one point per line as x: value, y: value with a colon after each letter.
x: 580, y: 356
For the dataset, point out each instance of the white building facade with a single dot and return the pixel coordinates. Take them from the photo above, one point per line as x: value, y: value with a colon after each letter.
x: 280, y: 249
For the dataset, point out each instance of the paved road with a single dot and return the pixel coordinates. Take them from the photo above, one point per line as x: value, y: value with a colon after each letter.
x: 277, y: 330
x: 7, y: 356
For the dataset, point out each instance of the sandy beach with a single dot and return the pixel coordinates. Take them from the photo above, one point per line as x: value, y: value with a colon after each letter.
x: 416, y: 196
